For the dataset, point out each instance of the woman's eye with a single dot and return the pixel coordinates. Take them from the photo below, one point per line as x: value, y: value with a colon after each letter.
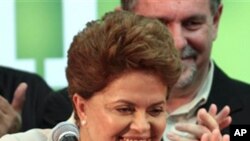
x: 156, y: 111
x: 125, y: 110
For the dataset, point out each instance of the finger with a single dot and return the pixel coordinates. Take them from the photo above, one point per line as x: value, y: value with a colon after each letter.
x: 205, y: 137
x: 4, y: 105
x: 199, y: 121
x: 226, y: 138
x: 223, y: 117
x: 19, y: 97
x: 2, y: 116
x: 207, y: 120
x: 193, y: 129
x: 216, y: 135
x: 225, y: 123
x: 223, y: 113
x: 174, y: 137
x: 213, y: 110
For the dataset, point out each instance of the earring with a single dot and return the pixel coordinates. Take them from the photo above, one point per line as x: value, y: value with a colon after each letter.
x: 83, y: 122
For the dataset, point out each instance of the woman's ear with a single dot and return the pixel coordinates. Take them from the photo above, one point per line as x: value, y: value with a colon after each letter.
x: 80, y: 104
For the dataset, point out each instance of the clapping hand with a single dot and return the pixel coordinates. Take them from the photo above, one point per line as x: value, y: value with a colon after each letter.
x: 10, y: 114
x: 208, y: 126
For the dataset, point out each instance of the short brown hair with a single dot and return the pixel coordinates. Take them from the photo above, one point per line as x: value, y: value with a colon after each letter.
x: 119, y: 42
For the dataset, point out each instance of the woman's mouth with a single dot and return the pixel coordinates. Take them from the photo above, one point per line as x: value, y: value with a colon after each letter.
x: 134, y: 139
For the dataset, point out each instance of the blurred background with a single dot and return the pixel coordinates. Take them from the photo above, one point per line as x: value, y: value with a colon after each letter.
x: 35, y: 35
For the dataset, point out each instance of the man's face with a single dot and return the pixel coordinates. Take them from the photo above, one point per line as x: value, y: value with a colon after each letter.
x: 193, y: 28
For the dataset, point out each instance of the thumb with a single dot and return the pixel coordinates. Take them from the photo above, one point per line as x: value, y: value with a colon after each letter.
x: 19, y: 97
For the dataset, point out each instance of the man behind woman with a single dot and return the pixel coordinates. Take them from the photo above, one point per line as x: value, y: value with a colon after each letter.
x: 194, y: 25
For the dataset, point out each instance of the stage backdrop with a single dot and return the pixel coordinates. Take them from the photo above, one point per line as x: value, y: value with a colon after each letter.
x: 35, y: 35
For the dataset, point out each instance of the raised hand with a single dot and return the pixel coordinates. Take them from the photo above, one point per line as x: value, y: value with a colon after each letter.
x: 207, y: 122
x: 222, y: 118
x: 10, y: 114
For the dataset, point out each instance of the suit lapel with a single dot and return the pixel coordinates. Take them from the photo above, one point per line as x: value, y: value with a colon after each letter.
x: 221, y: 92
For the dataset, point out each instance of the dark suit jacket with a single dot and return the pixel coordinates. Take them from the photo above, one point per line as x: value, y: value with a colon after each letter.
x: 228, y: 91
x: 57, y: 108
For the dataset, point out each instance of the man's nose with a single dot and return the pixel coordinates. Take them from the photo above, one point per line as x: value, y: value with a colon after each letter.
x: 140, y: 123
x: 178, y: 33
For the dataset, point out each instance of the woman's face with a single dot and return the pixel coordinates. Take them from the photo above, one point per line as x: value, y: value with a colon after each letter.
x: 130, y: 108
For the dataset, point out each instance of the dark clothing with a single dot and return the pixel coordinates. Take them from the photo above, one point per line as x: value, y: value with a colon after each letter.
x: 35, y: 94
x: 224, y: 91
x: 235, y: 94
x: 57, y: 108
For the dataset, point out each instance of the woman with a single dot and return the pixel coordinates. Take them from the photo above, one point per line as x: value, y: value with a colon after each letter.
x: 120, y: 71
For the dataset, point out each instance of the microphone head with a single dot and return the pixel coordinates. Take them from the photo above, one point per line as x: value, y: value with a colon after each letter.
x: 65, y: 131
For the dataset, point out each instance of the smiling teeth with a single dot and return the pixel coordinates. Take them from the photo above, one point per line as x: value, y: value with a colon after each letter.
x: 135, y: 140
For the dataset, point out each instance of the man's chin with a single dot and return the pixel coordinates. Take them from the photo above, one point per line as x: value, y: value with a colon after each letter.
x: 182, y: 84
x: 186, y: 79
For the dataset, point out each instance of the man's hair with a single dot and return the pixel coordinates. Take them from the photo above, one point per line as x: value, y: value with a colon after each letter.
x: 130, y: 4
x: 118, y: 43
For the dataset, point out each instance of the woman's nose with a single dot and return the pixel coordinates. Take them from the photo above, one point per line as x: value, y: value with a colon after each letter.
x: 140, y: 123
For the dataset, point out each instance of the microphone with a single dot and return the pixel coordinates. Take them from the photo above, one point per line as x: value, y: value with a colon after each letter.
x: 65, y: 131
